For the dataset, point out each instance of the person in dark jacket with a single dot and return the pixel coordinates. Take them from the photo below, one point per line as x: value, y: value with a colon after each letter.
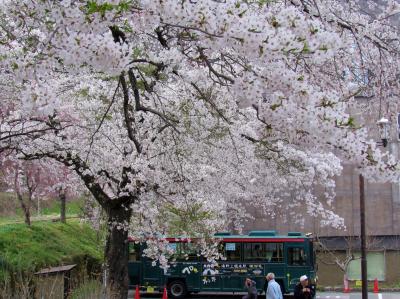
x: 251, y: 289
x: 304, y: 289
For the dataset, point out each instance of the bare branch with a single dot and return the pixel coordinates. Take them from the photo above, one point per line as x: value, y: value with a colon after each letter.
x: 210, y: 101
x: 128, y: 118
x: 193, y: 29
x: 140, y: 107
x: 204, y: 58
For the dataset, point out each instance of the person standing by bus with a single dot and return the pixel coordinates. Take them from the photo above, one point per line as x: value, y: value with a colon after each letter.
x: 251, y: 289
x: 304, y: 289
x: 272, y: 288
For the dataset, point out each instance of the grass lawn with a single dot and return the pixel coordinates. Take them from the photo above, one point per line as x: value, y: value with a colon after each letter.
x: 72, y: 208
x: 12, y: 213
x: 45, y: 244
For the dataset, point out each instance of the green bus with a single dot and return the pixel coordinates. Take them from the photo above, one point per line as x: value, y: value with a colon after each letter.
x: 253, y: 255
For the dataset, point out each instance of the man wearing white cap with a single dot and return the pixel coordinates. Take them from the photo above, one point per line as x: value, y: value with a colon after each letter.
x: 304, y: 289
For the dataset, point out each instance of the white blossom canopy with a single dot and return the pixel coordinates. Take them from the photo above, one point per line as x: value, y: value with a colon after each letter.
x: 207, y: 104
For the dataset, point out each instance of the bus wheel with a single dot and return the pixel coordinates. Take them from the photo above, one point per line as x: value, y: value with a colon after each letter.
x: 177, y: 289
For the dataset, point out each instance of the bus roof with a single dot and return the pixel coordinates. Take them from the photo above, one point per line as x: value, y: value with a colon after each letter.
x: 268, y: 236
x: 261, y: 239
x: 252, y: 237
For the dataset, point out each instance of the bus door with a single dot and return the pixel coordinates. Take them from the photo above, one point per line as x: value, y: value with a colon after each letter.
x: 231, y: 269
x: 254, y: 257
x: 134, y: 264
x: 274, y: 262
x: 297, y: 263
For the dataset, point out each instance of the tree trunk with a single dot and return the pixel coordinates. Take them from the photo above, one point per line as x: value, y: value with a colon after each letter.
x: 62, y: 198
x: 25, y: 209
x: 27, y: 217
x: 116, y: 252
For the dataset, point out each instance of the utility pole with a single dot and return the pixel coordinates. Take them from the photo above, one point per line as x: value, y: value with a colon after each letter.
x: 364, y: 279
x: 383, y: 124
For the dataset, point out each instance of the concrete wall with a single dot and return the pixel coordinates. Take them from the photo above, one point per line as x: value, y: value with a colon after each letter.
x: 393, y: 267
x: 330, y: 274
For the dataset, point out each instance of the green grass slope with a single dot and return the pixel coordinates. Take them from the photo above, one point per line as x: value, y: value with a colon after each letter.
x: 45, y: 244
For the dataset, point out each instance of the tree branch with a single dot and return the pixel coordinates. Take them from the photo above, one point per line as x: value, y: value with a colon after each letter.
x: 140, y: 107
x: 204, y: 58
x: 209, y: 101
x: 128, y: 118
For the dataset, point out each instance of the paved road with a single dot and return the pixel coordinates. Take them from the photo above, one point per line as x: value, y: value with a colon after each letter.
x: 358, y: 296
x: 320, y: 295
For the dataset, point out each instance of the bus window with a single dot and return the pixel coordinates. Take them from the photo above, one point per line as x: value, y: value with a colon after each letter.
x: 254, y: 252
x: 134, y: 252
x: 296, y: 256
x: 173, y: 247
x: 274, y: 252
x: 232, y: 251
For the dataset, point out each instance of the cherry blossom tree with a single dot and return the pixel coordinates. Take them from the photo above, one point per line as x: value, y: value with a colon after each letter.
x: 38, y: 179
x: 24, y: 181
x: 61, y: 184
x: 196, y: 104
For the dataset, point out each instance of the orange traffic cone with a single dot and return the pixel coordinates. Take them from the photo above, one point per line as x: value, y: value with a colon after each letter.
x: 346, y: 288
x: 165, y: 295
x: 376, y: 289
x: 137, y: 293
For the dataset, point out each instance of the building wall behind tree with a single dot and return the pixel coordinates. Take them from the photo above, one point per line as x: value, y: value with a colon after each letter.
x: 382, y: 219
x: 329, y: 274
x: 382, y: 210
